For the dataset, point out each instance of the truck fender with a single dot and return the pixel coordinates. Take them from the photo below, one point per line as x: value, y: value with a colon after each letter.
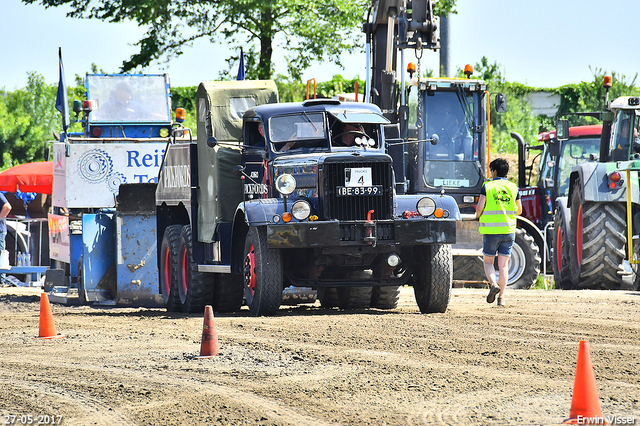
x: 261, y: 211
x: 409, y: 203
x: 593, y: 178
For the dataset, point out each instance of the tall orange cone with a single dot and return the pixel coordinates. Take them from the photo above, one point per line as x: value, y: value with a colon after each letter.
x: 585, y: 405
x: 209, y: 346
x: 47, y: 326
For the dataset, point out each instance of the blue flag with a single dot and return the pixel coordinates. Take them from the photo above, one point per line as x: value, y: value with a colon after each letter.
x: 62, y: 102
x: 241, y: 67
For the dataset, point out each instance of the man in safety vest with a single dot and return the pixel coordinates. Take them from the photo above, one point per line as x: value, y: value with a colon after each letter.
x: 498, y: 206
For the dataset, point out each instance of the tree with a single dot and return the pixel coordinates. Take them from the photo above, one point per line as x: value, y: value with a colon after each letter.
x: 28, y: 119
x: 308, y: 30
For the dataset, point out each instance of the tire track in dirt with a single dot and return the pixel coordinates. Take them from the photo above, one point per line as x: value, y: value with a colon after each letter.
x: 95, y: 408
x: 94, y: 411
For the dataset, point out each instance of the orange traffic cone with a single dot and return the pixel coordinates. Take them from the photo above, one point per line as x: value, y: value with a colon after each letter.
x: 209, y: 346
x: 585, y: 405
x: 47, y: 326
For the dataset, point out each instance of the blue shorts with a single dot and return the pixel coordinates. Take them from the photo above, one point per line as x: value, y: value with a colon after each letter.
x: 497, y: 243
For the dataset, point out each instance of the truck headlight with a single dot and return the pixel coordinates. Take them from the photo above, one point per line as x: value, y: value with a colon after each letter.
x: 285, y: 184
x: 426, y: 206
x: 301, y: 210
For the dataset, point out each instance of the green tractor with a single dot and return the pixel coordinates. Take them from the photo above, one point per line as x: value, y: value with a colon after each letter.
x: 603, y: 199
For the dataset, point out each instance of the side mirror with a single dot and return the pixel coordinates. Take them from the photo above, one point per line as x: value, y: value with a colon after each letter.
x: 501, y: 102
x: 212, y: 141
x: 435, y: 139
x: 562, y: 130
x: 238, y: 170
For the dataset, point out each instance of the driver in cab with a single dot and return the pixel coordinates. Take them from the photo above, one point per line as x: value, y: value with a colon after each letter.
x: 349, y: 134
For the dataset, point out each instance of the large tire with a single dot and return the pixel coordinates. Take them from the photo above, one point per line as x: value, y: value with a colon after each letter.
x: 598, y: 239
x: 328, y: 297
x: 228, y: 293
x: 524, y: 263
x: 354, y: 297
x: 262, y: 274
x: 169, y: 268
x: 385, y: 297
x: 468, y: 268
x: 434, y: 278
x: 195, y: 288
x: 561, y: 244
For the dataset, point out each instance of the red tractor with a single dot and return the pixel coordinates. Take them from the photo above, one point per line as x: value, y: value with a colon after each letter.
x: 544, y: 204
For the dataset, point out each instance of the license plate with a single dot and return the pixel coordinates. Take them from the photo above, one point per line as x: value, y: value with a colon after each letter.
x: 357, y: 191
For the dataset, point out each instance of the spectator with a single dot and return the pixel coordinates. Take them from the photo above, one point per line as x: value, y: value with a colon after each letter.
x: 4, y: 212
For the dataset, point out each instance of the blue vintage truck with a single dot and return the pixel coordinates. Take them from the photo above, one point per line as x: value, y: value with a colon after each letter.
x: 273, y: 195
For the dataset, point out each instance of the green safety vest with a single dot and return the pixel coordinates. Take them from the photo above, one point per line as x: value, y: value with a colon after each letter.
x: 499, y: 214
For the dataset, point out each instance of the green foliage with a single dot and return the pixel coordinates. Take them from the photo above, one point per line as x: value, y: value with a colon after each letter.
x: 308, y: 31
x: 27, y: 119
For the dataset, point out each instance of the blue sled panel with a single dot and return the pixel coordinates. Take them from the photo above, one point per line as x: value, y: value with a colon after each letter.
x: 98, y: 261
x: 136, y: 260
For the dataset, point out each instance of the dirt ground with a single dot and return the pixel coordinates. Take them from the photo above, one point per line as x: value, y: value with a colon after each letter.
x: 475, y: 364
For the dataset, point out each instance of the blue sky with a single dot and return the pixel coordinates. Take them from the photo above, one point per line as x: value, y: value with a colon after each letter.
x: 546, y: 43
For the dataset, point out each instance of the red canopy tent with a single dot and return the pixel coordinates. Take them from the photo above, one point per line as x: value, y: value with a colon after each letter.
x: 29, y: 177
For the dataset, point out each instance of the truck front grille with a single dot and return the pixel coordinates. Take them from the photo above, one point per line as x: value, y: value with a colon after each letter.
x: 356, y: 207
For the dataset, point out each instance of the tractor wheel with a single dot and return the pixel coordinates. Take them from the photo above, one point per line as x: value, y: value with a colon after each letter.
x: 434, y: 277
x: 228, y: 293
x: 195, y: 288
x: 468, y: 268
x: 385, y: 297
x: 524, y: 263
x: 354, y: 297
x: 169, y: 268
x: 598, y: 239
x: 262, y: 274
x: 328, y: 297
x: 561, y: 244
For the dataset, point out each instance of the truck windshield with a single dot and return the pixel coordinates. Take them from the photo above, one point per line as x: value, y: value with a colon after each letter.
x: 297, y: 130
x: 128, y: 98
x: 454, y: 161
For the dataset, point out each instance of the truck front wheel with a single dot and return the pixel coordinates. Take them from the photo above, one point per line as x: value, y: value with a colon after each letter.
x: 434, y: 277
x: 195, y: 288
x: 169, y: 268
x: 262, y: 274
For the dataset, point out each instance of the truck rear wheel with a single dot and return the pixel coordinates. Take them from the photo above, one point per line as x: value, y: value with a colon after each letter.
x: 228, y: 293
x: 354, y: 297
x: 328, y: 297
x: 195, y: 288
x: 524, y: 264
x: 385, y: 297
x: 262, y: 274
x: 598, y: 232
x: 169, y: 268
x: 561, y: 272
x: 434, y: 276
